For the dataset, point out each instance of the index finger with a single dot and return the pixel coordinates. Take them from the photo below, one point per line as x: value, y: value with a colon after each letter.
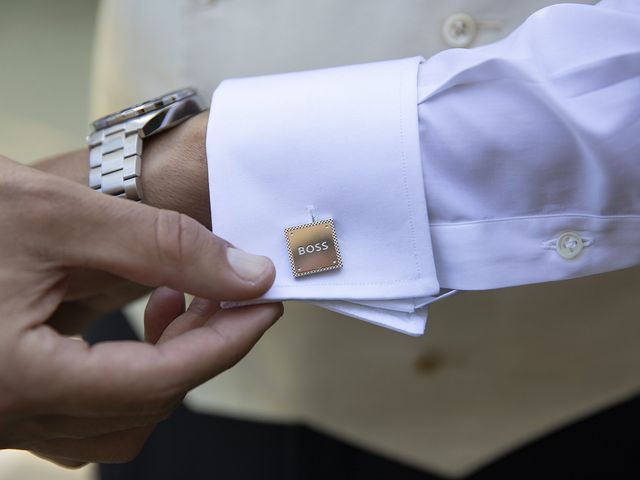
x: 117, y: 378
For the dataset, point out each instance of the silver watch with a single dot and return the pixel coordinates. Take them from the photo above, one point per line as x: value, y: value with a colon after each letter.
x: 115, y: 143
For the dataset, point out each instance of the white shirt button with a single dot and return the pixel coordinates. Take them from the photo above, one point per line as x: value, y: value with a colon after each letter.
x: 569, y: 245
x: 459, y: 30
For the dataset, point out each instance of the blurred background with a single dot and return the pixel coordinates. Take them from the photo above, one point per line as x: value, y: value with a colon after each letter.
x: 45, y: 52
x: 45, y: 65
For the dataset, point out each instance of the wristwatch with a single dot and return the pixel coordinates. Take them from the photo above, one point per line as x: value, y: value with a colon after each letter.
x: 115, y: 142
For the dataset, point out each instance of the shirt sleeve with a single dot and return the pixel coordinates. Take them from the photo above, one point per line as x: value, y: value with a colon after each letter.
x: 508, y: 164
x: 531, y: 150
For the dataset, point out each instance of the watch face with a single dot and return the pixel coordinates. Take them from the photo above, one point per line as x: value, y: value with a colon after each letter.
x: 142, y: 108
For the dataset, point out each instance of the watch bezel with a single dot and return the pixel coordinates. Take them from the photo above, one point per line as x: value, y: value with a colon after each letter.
x: 143, y: 108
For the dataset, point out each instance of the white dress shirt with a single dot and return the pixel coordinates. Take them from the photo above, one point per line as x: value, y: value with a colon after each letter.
x: 496, y: 368
x: 523, y: 151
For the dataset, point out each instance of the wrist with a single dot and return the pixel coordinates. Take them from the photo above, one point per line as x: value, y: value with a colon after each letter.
x: 174, y: 170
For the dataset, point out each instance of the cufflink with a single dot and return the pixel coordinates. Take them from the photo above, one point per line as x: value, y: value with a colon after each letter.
x: 313, y: 248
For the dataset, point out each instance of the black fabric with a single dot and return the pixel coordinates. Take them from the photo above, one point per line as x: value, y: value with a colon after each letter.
x: 605, y: 445
x: 205, y: 447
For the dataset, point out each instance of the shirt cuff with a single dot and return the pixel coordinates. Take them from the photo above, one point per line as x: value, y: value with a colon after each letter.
x: 342, y: 143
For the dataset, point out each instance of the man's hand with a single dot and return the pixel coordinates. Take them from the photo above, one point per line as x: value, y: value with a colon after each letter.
x: 174, y: 169
x: 174, y: 177
x: 60, y: 241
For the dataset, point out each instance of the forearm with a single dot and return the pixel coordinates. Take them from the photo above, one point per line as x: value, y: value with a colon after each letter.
x: 174, y: 169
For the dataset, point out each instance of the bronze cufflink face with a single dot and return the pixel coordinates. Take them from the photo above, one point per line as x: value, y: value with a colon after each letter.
x: 313, y: 248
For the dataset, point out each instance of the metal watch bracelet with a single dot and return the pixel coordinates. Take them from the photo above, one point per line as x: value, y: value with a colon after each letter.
x: 115, y: 145
x: 115, y: 161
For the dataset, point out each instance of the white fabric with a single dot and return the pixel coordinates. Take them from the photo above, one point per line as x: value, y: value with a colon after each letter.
x: 496, y: 368
x: 531, y: 137
x: 308, y: 134
x: 516, y: 143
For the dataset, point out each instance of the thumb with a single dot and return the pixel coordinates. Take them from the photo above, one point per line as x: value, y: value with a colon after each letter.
x: 152, y: 247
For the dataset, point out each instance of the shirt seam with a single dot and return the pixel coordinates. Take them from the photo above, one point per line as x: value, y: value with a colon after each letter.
x: 537, y: 217
x: 405, y: 181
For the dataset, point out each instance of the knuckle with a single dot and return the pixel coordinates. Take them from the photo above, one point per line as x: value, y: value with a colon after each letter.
x: 163, y: 405
x: 129, y: 452
x: 176, y: 235
x: 31, y: 203
x: 168, y: 235
x: 168, y: 408
x: 129, y: 445
x: 162, y: 398
x: 20, y: 196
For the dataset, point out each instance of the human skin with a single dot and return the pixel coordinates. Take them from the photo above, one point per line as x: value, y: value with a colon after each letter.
x: 69, y: 254
x: 174, y: 169
x: 174, y: 177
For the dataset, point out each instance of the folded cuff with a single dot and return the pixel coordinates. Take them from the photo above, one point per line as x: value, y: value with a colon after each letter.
x: 342, y: 143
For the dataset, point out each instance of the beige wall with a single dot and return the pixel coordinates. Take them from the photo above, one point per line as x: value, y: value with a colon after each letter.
x: 45, y: 50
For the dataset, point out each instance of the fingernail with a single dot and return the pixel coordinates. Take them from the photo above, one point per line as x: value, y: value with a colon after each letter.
x: 246, y: 265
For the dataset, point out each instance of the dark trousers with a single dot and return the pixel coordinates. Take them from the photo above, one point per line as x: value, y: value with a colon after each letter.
x: 192, y: 446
